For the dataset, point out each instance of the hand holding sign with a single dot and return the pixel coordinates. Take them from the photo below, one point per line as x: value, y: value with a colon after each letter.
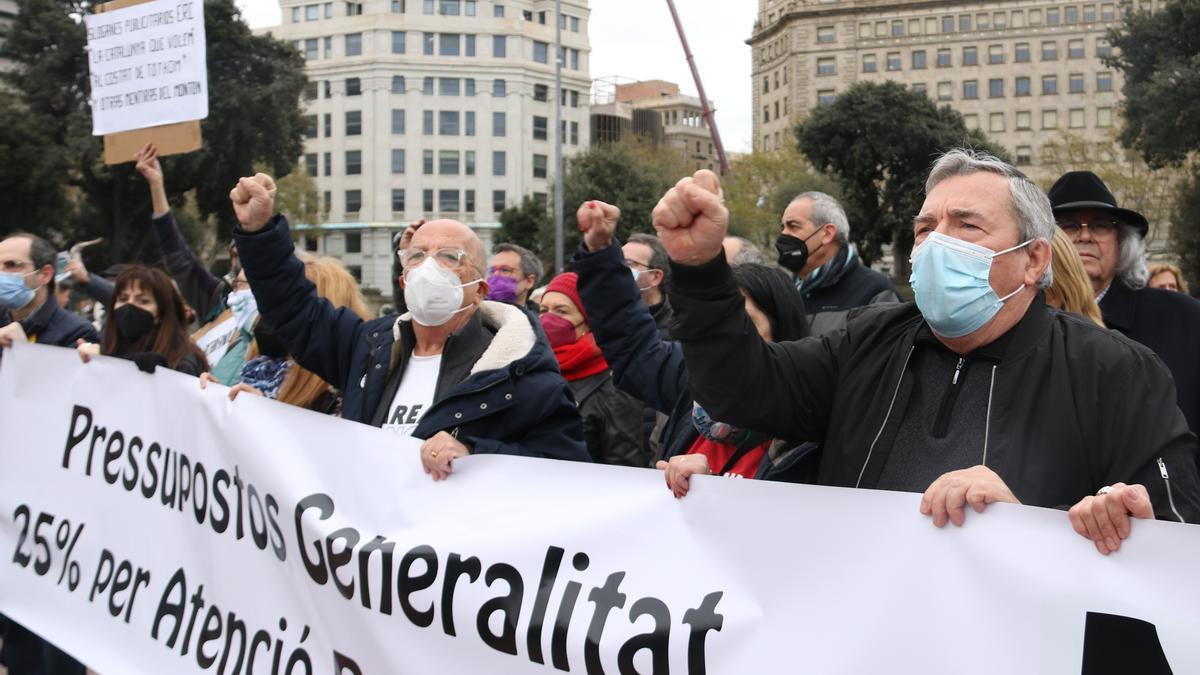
x: 691, y: 219
x: 598, y: 223
x: 254, y: 201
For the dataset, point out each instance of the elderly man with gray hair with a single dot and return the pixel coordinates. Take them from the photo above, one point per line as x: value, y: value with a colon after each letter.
x: 814, y: 244
x: 976, y: 393
x: 1112, y: 248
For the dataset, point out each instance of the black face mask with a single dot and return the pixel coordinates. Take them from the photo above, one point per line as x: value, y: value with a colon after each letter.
x: 269, y: 344
x: 133, y: 323
x: 793, y: 251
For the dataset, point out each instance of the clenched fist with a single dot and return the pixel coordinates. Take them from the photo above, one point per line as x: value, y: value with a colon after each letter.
x: 691, y: 219
x: 254, y: 201
x: 598, y: 223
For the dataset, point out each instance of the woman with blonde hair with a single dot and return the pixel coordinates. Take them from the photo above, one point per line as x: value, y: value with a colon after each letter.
x: 270, y: 371
x: 1167, y: 277
x: 1071, y: 290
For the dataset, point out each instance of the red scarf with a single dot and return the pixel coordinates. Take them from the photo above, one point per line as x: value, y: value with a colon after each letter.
x: 580, y: 359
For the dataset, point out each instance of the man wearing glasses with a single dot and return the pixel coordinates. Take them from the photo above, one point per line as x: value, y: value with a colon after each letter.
x: 28, y: 310
x: 463, y: 374
x: 1112, y: 248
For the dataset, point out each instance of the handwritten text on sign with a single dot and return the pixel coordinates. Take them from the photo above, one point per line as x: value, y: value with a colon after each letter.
x: 147, y: 65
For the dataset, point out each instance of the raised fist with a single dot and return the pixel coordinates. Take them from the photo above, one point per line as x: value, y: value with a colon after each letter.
x: 598, y: 223
x: 691, y: 219
x: 254, y: 201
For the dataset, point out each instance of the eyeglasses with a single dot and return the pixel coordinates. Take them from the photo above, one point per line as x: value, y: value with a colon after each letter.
x: 632, y: 263
x: 1101, y: 229
x: 449, y: 258
x: 503, y: 269
x: 15, y: 265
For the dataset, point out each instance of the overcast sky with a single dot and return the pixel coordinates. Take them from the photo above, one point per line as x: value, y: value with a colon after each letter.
x: 636, y: 39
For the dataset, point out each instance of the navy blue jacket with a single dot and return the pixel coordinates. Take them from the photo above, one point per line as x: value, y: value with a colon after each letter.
x: 522, y: 406
x: 643, y: 363
x: 53, y: 325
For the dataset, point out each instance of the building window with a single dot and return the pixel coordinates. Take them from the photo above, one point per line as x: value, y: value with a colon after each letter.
x: 826, y: 96
x: 448, y: 86
x: 995, y: 54
x: 970, y: 89
x: 1075, y: 83
x: 499, y: 88
x: 312, y: 12
x: 541, y: 52
x: 398, y: 119
x: 397, y: 6
x: 575, y: 127
x: 398, y: 161
x: 310, y: 164
x: 1024, y: 120
x: 448, y: 163
x: 427, y: 122
x: 1049, y: 119
x: 469, y: 163
x: 448, y: 123
x: 499, y: 46
x: 964, y: 23
x: 295, y: 15
x: 428, y: 41
x: 826, y: 66
x: 971, y: 121
x: 868, y: 63
x: 1049, y: 51
x: 1021, y: 52
x: 945, y: 91
x: 312, y: 49
x: 1108, y: 12
x: 353, y: 201
x: 1049, y: 85
x: 996, y: 122
x: 1024, y: 155
x: 427, y: 200
x: 918, y: 59
x: 353, y: 162
x: 999, y: 20
x: 943, y: 58
x: 328, y: 158
x: 499, y: 124
x: 398, y: 41
x: 310, y: 127
x: 353, y: 86
x: 498, y: 11
x: 398, y: 200
x: 1104, y: 82
x: 539, y: 128
x: 539, y: 166
x: 574, y: 24
x: 448, y: 201
x: 981, y: 22
x: 897, y: 28
x: 427, y: 86
x: 1052, y: 16
x: 1023, y: 86
x: 354, y: 242
x: 541, y: 92
x: 449, y: 44
x: 1089, y: 13
x: 826, y: 35
x: 1074, y: 49
x: 970, y: 56
x: 1104, y: 117
x: 864, y: 30
x: 354, y: 123
x: 920, y: 88
x: 427, y: 162
x: 499, y: 163
x: 893, y: 61
x: 469, y: 45
x: 328, y: 15
x: 947, y: 24
x: 498, y: 201
x: 1075, y: 119
x: 468, y: 201
x: 328, y: 89
x: 1071, y: 14
x: 354, y: 44
x: 996, y: 88
x: 397, y: 84
x: 328, y: 125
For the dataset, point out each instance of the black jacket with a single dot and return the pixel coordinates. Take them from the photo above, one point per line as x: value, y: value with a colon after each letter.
x: 1072, y: 407
x: 849, y: 284
x: 499, y: 389
x: 643, y: 364
x: 53, y: 325
x: 1169, y: 324
x: 612, y: 421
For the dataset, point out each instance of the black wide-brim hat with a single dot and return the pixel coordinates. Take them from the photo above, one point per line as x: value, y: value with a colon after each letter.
x: 1085, y: 190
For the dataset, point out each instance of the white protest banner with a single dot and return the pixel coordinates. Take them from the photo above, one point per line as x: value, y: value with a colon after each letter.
x: 147, y: 65
x: 149, y: 527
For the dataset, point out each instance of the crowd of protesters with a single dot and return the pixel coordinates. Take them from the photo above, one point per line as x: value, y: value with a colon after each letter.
x: 1041, y: 361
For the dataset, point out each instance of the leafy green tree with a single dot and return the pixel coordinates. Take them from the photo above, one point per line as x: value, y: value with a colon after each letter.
x: 255, y: 87
x: 1159, y: 55
x: 878, y: 140
x: 522, y: 225
x: 1185, y: 230
x: 761, y: 186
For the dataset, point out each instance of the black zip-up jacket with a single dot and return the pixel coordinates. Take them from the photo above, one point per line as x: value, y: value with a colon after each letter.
x: 1072, y: 407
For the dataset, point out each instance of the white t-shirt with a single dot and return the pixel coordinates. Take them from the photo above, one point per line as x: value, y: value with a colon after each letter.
x: 216, y: 342
x: 415, y: 395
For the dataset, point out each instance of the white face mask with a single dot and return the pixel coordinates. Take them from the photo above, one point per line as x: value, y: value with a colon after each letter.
x: 433, y: 293
x: 244, y: 306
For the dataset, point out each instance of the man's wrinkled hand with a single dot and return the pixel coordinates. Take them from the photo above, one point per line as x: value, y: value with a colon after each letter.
x: 438, y: 452
x: 691, y: 219
x: 1104, y: 518
x: 598, y: 223
x: 254, y: 201
x: 947, y: 498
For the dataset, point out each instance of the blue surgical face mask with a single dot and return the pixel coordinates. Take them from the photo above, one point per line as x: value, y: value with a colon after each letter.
x: 950, y: 281
x: 14, y: 294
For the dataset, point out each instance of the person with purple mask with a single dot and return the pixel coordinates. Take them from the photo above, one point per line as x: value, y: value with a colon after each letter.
x: 514, y: 272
